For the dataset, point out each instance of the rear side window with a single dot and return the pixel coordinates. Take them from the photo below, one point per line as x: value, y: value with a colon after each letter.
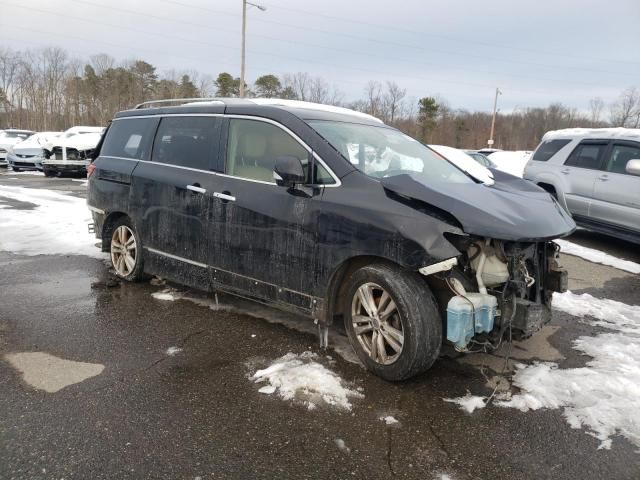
x: 129, y: 138
x: 187, y: 142
x: 586, y: 155
x: 548, y: 149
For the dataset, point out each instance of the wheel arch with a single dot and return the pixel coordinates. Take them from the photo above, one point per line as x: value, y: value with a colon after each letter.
x: 107, y: 228
x: 338, y: 280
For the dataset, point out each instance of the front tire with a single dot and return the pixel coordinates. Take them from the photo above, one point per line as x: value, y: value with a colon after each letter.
x: 125, y: 250
x: 16, y: 169
x: 392, y: 321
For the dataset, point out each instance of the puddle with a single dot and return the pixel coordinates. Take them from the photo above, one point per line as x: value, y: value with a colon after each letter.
x: 536, y: 347
x: 50, y: 373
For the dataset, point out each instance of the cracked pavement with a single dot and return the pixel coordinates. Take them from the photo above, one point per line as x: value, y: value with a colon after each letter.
x: 196, y: 413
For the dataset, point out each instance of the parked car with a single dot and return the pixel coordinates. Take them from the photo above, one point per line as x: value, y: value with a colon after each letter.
x: 265, y: 199
x: 28, y: 154
x: 465, y: 162
x: 9, y: 138
x: 595, y: 175
x: 511, y: 162
x: 71, y: 151
x: 481, y: 158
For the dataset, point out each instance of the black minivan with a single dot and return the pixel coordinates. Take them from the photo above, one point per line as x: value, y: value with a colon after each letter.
x: 330, y: 213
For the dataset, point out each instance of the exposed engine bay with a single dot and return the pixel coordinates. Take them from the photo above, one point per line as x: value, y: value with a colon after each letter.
x: 498, y: 286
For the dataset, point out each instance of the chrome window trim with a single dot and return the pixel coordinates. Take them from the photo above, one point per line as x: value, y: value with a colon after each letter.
x: 337, y: 180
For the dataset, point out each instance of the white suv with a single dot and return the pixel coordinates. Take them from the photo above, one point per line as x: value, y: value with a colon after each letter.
x: 595, y: 176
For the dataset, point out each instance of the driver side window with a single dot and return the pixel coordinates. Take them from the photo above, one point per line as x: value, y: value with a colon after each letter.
x: 254, y: 147
x: 620, y: 155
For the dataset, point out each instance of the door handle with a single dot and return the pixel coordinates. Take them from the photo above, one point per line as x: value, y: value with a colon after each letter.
x: 566, y: 171
x: 603, y: 178
x: 196, y: 188
x: 224, y: 196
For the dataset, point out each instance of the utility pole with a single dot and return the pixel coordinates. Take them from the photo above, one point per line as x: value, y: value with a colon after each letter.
x: 493, y: 120
x: 244, y: 40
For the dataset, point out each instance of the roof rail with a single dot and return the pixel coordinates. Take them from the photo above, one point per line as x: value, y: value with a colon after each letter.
x: 176, y: 100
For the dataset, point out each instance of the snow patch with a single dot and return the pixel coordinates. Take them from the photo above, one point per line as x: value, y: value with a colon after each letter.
x: 389, y: 420
x: 341, y: 445
x: 56, y: 226
x: 596, y: 256
x: 167, y: 295
x: 27, y: 172
x: 468, y: 403
x: 603, y: 396
x: 268, y: 389
x: 172, y: 351
x: 302, y: 379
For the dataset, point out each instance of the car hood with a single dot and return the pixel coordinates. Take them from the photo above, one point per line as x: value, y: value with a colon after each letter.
x: 83, y: 141
x: 510, y: 209
x: 27, y: 150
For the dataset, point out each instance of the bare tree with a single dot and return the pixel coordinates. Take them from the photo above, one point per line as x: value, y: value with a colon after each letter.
x: 393, y: 100
x: 374, y: 102
x: 102, y: 62
x: 299, y: 83
x: 625, y: 111
x: 596, y: 105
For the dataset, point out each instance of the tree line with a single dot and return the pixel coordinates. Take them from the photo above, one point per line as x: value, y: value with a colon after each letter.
x: 47, y: 89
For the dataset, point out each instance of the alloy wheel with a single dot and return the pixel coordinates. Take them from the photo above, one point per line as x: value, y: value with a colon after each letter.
x: 377, y: 323
x: 124, y: 250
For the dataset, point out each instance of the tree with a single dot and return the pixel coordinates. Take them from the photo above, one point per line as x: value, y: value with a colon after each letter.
x: 596, y: 105
x: 186, y: 88
x: 428, y: 110
x: 145, y: 80
x: 268, y: 86
x: 227, y: 86
x: 625, y: 111
x: 393, y: 100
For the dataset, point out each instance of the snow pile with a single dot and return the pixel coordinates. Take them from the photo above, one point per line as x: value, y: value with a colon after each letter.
x: 56, y: 226
x: 596, y: 256
x: 468, y: 403
x: 302, y: 379
x: 511, y: 162
x: 389, y: 420
x: 172, y: 351
x: 604, y: 395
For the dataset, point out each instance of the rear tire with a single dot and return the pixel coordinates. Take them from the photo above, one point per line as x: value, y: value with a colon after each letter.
x: 125, y: 250
x: 392, y: 321
x: 49, y: 173
x: 16, y: 169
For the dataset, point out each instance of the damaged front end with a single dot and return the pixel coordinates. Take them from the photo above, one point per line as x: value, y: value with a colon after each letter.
x: 499, y: 286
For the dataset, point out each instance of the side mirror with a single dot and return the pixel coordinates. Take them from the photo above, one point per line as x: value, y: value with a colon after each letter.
x: 633, y: 167
x: 288, y: 171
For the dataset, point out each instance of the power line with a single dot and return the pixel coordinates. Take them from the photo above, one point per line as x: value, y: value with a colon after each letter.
x: 208, y: 27
x: 445, y: 37
x: 474, y: 42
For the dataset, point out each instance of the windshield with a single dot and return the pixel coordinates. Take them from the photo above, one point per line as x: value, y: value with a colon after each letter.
x: 384, y: 152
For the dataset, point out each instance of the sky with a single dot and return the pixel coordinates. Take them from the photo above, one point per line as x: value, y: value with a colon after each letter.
x: 536, y: 52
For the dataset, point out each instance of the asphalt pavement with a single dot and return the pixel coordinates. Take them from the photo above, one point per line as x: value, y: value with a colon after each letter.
x: 197, y: 414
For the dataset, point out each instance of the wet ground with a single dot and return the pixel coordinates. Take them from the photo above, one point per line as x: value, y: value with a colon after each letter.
x: 102, y: 399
